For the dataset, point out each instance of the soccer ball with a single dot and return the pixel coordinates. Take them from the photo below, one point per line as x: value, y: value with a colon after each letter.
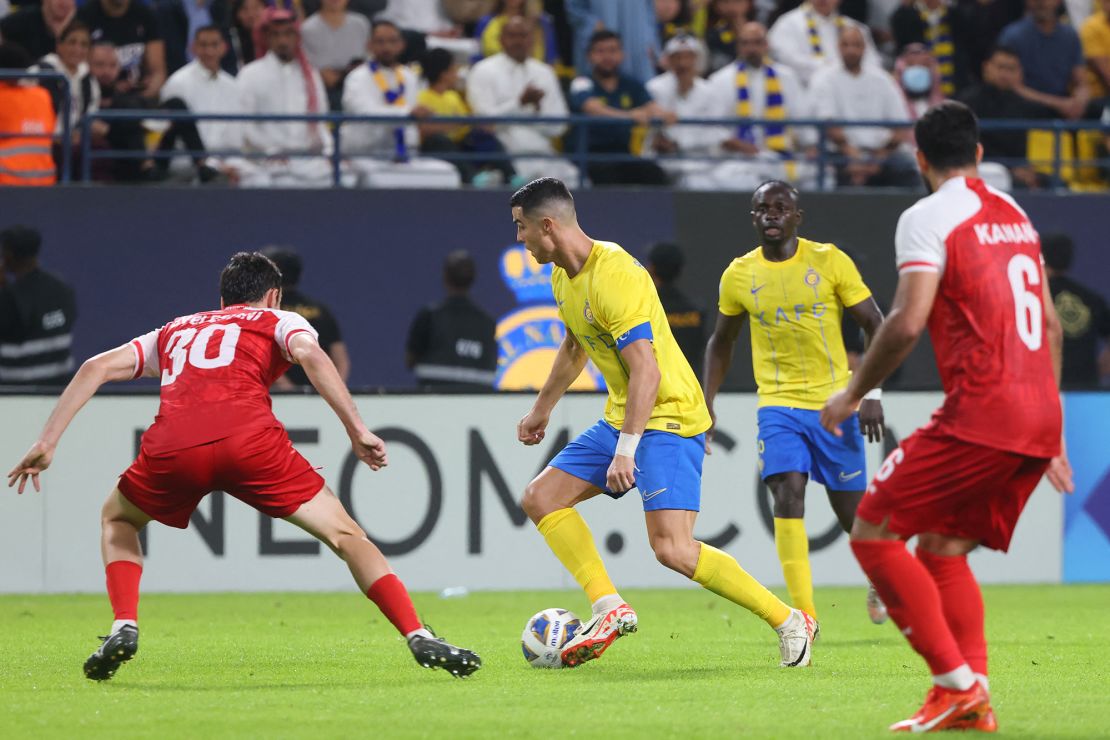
x: 545, y: 635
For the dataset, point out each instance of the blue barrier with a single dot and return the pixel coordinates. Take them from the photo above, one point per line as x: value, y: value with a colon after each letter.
x: 581, y: 157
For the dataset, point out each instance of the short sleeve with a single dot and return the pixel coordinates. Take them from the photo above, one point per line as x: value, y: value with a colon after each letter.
x: 850, y: 288
x: 622, y: 298
x: 146, y: 354
x: 728, y: 301
x: 581, y: 90
x: 288, y: 326
x: 917, y: 246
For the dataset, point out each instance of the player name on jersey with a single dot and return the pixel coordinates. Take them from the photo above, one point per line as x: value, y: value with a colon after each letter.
x: 1019, y: 233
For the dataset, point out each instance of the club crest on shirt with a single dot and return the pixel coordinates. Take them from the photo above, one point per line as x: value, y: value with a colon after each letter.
x: 812, y: 278
x: 588, y: 314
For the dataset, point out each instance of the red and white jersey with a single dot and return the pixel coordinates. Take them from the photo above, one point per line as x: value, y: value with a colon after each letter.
x: 987, y: 324
x: 216, y: 369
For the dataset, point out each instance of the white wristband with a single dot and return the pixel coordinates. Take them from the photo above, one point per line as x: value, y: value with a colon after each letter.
x: 875, y: 394
x: 627, y: 443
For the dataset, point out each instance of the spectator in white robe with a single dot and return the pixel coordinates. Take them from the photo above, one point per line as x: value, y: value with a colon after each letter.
x: 806, y: 38
x: 283, y: 82
x: 514, y: 83
x: 385, y: 154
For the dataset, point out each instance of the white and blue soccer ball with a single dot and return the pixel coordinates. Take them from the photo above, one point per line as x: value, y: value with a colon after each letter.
x: 545, y: 635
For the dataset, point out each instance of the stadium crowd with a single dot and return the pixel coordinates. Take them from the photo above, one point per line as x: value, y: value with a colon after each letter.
x: 652, y: 64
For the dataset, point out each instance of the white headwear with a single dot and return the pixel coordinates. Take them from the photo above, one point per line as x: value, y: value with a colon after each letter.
x: 686, y: 42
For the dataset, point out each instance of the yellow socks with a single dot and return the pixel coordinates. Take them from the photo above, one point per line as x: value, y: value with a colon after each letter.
x: 720, y: 573
x: 570, y: 539
x: 793, y: 547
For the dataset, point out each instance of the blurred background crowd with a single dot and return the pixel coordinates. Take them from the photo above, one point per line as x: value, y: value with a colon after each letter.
x: 646, y: 67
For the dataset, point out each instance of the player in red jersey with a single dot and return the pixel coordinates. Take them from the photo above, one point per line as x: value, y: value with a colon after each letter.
x: 970, y: 270
x: 215, y: 430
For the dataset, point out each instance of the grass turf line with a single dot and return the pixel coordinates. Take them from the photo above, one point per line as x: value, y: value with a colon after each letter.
x: 327, y: 665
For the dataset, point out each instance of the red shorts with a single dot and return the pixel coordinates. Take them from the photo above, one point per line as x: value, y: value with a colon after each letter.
x: 943, y: 485
x: 258, y: 467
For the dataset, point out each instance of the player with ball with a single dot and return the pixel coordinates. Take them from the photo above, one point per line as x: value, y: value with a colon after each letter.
x: 652, y: 437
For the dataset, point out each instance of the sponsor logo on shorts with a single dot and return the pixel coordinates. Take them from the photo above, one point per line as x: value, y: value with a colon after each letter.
x: 845, y: 477
x: 653, y: 494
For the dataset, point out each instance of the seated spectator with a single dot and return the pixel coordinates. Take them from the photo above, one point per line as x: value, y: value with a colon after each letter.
x: 755, y: 88
x: 201, y: 86
x: 996, y: 97
x: 610, y: 94
x: 132, y: 28
x: 683, y: 93
x: 677, y: 18
x: 488, y: 30
x: 919, y: 78
x: 246, y: 16
x: 314, y: 312
x: 631, y: 20
x: 442, y: 98
x: 725, y: 19
x: 37, y: 312
x: 1083, y: 313
x: 385, y: 87
x: 853, y: 90
x: 125, y: 135
x: 935, y: 25
x: 36, y: 26
x: 26, y: 125
x: 281, y: 82
x: 451, y: 344
x: 420, y: 21
x: 71, y: 60
x: 1051, y: 59
x: 981, y: 22
x: 335, y: 42
x: 806, y: 38
x: 1095, y: 37
x: 513, y: 83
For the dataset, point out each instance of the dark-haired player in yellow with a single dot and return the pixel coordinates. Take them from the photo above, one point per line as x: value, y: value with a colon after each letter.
x: 651, y: 438
x: 795, y: 292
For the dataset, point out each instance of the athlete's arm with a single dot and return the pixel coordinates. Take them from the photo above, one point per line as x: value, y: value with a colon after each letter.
x: 321, y: 372
x: 114, y: 365
x: 870, y: 317
x: 569, y: 361
x: 643, y: 389
x: 892, y: 343
x: 718, y: 359
x: 1059, y: 471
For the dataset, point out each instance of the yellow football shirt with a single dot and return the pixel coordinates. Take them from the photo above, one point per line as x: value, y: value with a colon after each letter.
x: 611, y: 297
x: 795, y: 309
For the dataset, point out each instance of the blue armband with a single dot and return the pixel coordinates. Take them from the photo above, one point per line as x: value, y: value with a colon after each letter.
x: 642, y: 331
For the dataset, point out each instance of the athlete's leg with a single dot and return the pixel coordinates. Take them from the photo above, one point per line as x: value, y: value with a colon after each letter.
x: 325, y: 519
x: 120, y: 523
x: 844, y: 505
x: 945, y: 558
x: 671, y: 534
x: 913, y: 601
x: 549, y: 501
x: 788, y: 492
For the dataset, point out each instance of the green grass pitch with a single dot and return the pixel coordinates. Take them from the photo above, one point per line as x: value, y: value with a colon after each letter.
x: 329, y: 665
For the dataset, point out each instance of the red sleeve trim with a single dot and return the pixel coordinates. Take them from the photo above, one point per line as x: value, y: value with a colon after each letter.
x: 918, y: 266
x: 140, y: 358
x: 289, y: 336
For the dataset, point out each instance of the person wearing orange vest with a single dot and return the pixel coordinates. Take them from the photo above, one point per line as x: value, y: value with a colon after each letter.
x: 26, y: 126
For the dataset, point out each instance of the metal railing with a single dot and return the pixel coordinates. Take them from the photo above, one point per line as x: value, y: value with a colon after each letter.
x: 582, y: 157
x: 67, y: 103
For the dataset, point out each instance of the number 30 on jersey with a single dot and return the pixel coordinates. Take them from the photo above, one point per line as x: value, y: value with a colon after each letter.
x: 193, y: 346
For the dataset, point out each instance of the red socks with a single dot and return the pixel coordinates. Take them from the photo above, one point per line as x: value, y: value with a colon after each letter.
x: 393, y: 599
x: 912, y: 599
x: 962, y: 603
x: 123, y: 588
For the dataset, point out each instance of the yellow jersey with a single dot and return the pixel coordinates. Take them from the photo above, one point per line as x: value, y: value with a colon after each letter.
x: 795, y: 306
x: 610, y: 302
